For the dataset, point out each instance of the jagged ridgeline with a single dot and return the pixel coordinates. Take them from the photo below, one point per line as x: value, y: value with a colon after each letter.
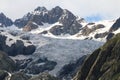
x: 103, y: 63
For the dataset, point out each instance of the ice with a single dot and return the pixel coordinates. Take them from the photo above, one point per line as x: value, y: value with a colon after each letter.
x: 62, y: 51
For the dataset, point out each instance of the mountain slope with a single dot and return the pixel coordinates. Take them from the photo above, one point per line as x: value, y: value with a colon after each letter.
x: 103, y: 64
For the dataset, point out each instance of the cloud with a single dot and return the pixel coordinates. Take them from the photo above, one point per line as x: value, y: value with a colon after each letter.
x: 108, y: 9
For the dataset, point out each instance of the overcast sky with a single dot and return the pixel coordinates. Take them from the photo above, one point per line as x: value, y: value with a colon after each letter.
x: 90, y: 9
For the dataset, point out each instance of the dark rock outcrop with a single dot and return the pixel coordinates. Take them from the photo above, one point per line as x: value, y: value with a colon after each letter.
x: 102, y: 64
x: 16, y: 48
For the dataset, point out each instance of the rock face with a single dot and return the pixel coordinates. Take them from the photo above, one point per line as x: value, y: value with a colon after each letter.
x: 102, y: 64
x: 69, y: 24
x: 5, y: 21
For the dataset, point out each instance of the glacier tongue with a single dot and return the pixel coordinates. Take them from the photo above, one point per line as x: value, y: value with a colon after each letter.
x: 62, y: 51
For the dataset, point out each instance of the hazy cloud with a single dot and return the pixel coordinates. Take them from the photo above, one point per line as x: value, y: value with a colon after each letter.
x: 107, y: 9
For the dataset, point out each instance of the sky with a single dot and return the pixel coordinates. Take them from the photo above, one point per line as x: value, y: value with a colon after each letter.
x: 92, y: 10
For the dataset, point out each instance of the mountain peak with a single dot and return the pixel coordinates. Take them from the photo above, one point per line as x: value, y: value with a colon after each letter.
x: 5, y: 21
x: 2, y: 15
x: 40, y: 9
x: 57, y: 7
x: 56, y: 10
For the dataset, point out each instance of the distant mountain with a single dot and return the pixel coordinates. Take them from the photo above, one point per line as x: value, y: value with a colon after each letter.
x: 61, y: 22
x: 103, y: 63
x: 39, y: 16
x: 5, y: 21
